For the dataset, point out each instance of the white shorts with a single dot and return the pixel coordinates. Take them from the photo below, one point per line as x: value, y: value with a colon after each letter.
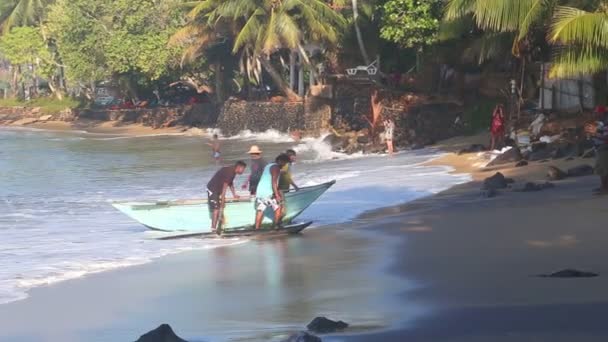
x: 261, y: 204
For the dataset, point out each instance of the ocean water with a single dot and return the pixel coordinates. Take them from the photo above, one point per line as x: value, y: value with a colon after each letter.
x: 56, y: 222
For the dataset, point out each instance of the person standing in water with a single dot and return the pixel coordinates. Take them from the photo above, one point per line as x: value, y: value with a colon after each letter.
x: 216, y: 190
x: 257, y: 167
x: 389, y: 132
x: 286, y: 179
x: 215, y: 147
x: 268, y: 194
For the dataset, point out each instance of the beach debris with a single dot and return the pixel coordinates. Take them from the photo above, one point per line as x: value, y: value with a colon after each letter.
x: 323, y: 325
x: 580, y: 171
x: 511, y: 155
x: 531, y: 187
x: 570, y: 273
x: 555, y: 174
x: 45, y: 118
x: 303, y: 336
x: 163, y: 333
x: 498, y: 181
x: 474, y: 148
x: 521, y: 163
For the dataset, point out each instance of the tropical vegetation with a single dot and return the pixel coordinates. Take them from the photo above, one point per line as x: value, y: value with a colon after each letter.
x: 233, y: 47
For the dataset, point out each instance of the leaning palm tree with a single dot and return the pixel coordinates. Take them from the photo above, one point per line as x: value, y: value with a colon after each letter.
x: 264, y: 27
x: 581, y: 38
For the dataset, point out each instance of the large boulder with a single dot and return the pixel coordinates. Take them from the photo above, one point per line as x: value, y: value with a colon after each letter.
x: 554, y: 173
x: 512, y: 155
x: 323, y: 325
x: 580, y: 171
x: 163, y: 333
x: 498, y: 181
x: 303, y: 336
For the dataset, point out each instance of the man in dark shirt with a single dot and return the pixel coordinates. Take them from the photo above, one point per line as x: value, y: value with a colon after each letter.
x: 217, y: 186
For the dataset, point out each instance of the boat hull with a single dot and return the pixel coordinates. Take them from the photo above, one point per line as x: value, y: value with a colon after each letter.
x: 193, y: 215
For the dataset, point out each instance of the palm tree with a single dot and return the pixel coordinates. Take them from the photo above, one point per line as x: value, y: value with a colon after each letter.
x: 21, y: 13
x: 263, y: 27
x: 582, y: 41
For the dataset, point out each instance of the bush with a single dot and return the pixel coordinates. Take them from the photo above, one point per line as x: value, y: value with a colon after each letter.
x: 479, y: 116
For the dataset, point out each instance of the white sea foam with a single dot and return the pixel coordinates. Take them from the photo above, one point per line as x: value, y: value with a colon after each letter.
x: 271, y: 135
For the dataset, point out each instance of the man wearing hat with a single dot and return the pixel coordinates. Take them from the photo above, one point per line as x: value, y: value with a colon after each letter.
x: 257, y: 167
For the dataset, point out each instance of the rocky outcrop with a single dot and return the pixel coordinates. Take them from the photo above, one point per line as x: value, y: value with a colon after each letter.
x: 497, y: 181
x: 513, y: 155
x: 323, y: 325
x: 570, y: 273
x: 163, y: 333
x: 303, y: 336
x: 20, y: 116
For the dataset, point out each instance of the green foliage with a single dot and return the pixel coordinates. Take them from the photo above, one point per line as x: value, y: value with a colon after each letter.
x: 47, y: 105
x: 21, y: 13
x: 479, y: 116
x: 411, y: 23
x: 23, y: 45
x: 102, y: 39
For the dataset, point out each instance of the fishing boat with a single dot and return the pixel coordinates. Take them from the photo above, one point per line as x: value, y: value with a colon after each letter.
x: 192, y: 216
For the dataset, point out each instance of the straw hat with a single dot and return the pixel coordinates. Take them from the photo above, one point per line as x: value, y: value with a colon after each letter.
x: 254, y: 150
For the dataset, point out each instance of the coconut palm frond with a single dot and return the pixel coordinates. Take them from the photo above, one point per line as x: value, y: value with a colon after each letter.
x: 573, y: 61
x: 574, y: 26
x: 455, y: 9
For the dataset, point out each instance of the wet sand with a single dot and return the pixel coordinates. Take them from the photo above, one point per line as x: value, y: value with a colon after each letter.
x: 477, y: 260
x: 259, y: 291
x: 105, y: 127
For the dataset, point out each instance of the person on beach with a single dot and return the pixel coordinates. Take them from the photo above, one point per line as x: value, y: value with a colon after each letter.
x: 268, y: 194
x: 216, y: 189
x: 286, y: 179
x: 257, y: 167
x: 389, y: 132
x: 599, y: 132
x: 215, y: 147
x: 497, y: 129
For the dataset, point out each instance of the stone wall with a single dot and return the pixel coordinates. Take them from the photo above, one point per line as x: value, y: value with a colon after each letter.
x: 204, y: 114
x: 310, y: 116
x: 425, y: 124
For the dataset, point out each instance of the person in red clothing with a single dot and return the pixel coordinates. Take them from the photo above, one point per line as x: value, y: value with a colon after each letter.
x: 497, y: 128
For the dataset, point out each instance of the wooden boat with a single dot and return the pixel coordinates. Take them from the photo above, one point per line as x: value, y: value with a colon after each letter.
x: 192, y: 216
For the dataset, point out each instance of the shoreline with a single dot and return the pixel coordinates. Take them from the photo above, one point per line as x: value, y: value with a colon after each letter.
x: 431, y: 233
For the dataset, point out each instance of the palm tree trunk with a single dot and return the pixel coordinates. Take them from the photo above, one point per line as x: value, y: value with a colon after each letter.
x: 219, y: 82
x: 358, y: 32
x: 278, y: 80
x: 292, y: 69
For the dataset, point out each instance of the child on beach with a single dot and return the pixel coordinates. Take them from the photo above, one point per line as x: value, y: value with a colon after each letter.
x: 389, y: 132
x: 215, y: 147
x: 497, y: 128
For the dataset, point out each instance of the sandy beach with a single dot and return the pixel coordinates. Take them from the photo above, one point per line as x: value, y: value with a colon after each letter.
x: 450, y: 267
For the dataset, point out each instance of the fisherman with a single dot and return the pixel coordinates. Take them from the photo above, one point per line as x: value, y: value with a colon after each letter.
x: 257, y: 167
x: 216, y: 189
x: 286, y: 179
x: 215, y: 147
x: 268, y: 193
